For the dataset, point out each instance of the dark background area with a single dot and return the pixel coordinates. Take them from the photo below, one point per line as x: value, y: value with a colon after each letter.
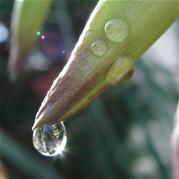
x: 125, y: 133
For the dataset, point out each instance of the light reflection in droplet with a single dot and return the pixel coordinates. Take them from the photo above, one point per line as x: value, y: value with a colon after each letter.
x: 50, y: 140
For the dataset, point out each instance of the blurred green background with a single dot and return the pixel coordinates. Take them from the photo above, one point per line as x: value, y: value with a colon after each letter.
x: 123, y: 134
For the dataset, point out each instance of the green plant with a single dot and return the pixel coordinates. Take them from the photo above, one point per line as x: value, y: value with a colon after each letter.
x: 28, y: 17
x: 116, y: 34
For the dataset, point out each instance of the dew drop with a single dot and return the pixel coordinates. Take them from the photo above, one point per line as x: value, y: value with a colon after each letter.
x: 99, y: 47
x: 50, y: 140
x: 116, y: 30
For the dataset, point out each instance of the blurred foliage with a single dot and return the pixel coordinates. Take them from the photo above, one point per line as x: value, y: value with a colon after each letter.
x: 125, y: 133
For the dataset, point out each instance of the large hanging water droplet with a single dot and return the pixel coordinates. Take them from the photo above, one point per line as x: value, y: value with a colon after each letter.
x: 116, y: 30
x: 99, y: 47
x: 50, y: 140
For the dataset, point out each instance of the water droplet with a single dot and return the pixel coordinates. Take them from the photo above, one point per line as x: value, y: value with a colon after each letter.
x: 50, y: 140
x: 99, y: 47
x: 116, y: 30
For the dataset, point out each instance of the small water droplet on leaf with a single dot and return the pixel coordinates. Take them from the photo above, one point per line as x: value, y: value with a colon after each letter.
x: 99, y: 47
x: 116, y: 30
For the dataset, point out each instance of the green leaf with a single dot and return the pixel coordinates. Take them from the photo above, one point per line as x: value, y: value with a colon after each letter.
x: 27, y: 19
x: 115, y: 30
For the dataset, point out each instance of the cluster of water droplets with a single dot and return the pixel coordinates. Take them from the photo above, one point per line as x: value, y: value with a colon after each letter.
x: 116, y: 31
x: 50, y: 140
